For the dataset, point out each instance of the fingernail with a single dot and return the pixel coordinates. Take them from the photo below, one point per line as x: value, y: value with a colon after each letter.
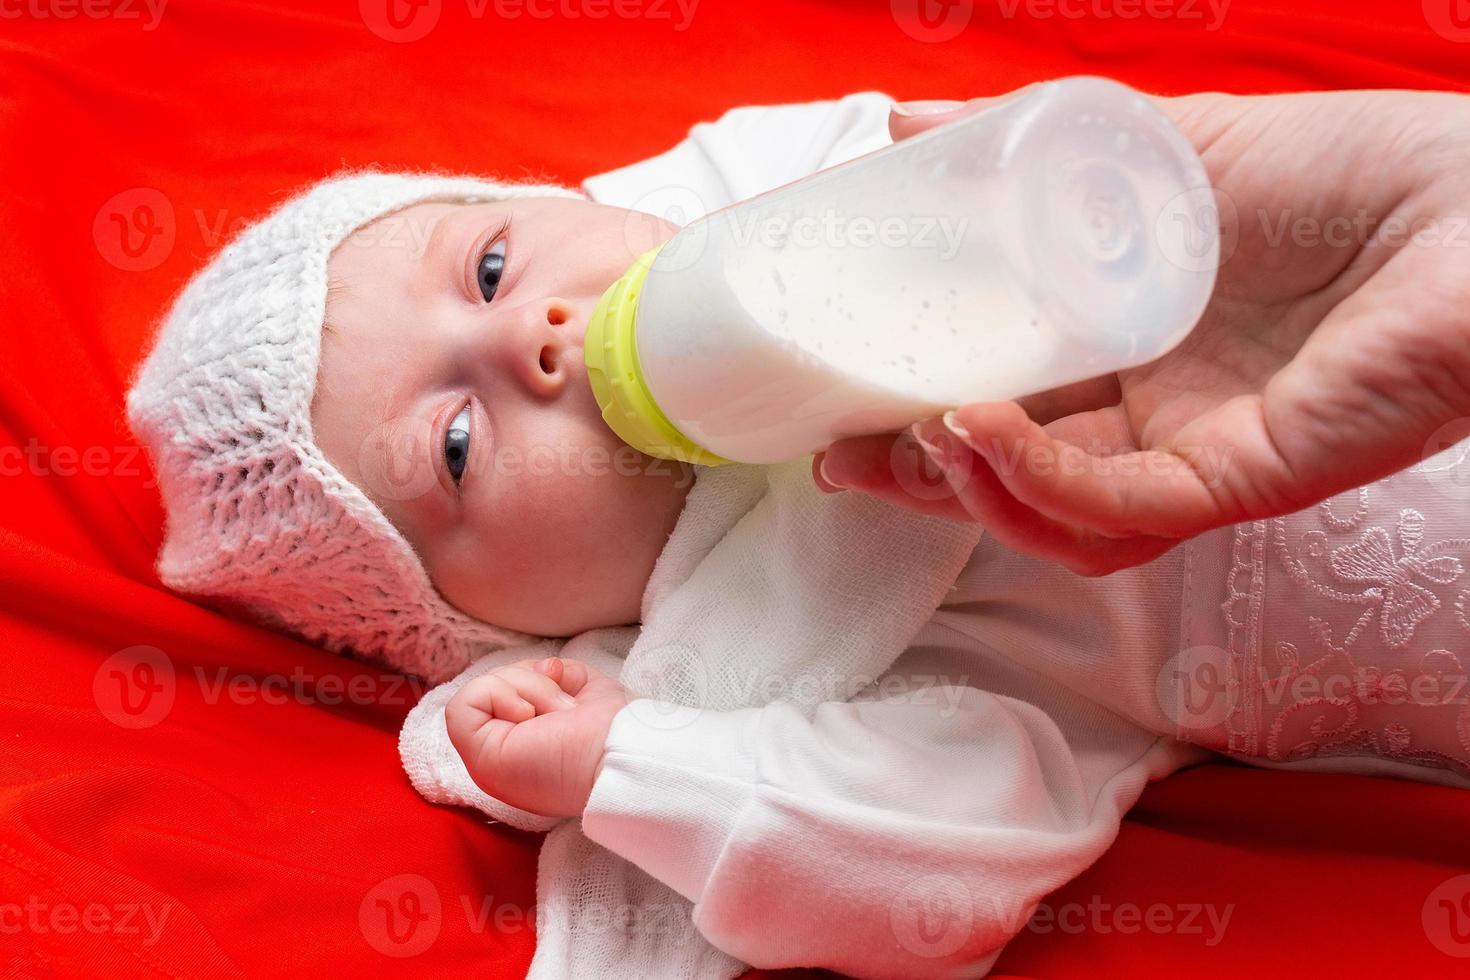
x: 926, y: 107
x: 566, y: 700
x: 925, y: 434
x: 953, y: 424
x: 827, y: 477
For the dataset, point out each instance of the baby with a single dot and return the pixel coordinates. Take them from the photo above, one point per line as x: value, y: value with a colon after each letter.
x: 451, y: 389
x: 373, y: 429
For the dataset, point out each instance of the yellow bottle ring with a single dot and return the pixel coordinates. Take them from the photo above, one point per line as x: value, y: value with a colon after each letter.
x: 610, y: 352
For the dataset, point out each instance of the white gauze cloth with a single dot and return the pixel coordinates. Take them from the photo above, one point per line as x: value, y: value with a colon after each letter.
x: 767, y: 590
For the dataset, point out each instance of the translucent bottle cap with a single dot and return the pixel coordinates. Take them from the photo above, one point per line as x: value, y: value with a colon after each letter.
x: 610, y: 352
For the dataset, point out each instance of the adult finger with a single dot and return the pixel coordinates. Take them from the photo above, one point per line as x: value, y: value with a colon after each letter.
x: 960, y: 484
x: 892, y: 466
x: 897, y: 468
x: 1158, y: 492
x: 1023, y: 529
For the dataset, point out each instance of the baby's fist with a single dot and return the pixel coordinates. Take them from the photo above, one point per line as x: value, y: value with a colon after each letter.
x: 531, y: 734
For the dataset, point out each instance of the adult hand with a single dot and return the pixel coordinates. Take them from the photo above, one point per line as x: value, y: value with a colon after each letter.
x: 1334, y: 351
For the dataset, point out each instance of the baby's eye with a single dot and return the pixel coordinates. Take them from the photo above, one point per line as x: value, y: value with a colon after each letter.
x: 457, y: 444
x: 492, y: 266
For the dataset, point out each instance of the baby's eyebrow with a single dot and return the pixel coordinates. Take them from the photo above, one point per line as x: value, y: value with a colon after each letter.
x: 434, y: 257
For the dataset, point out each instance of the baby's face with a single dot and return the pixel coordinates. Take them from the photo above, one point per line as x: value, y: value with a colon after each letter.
x: 452, y: 391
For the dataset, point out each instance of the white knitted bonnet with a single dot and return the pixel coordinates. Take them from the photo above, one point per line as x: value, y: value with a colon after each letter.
x: 256, y: 515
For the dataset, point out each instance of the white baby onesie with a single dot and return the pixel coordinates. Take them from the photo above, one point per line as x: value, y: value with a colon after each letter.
x: 910, y: 830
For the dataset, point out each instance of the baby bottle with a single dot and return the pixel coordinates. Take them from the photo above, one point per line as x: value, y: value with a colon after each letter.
x: 1063, y: 233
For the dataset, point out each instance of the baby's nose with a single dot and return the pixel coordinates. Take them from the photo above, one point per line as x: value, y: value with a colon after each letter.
x: 543, y: 347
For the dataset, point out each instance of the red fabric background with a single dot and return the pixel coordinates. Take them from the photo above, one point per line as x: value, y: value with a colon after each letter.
x: 267, y: 832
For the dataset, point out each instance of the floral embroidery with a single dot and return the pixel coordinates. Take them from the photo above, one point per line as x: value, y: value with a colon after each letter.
x: 1403, y: 603
x: 1284, y: 686
x: 1340, y: 523
x: 1359, y: 685
x: 1327, y: 697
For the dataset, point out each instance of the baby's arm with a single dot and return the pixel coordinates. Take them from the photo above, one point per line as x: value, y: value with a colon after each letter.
x: 902, y: 837
x: 872, y: 838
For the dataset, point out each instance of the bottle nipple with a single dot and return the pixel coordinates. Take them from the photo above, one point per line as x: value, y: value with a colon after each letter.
x: 610, y: 353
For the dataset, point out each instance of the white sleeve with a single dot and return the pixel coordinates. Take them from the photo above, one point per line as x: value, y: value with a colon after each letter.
x: 906, y: 836
x: 745, y: 152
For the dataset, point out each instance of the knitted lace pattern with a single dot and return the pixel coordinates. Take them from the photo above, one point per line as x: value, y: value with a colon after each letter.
x: 256, y: 517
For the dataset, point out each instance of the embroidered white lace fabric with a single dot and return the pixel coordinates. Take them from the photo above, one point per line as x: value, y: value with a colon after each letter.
x: 1337, y: 637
